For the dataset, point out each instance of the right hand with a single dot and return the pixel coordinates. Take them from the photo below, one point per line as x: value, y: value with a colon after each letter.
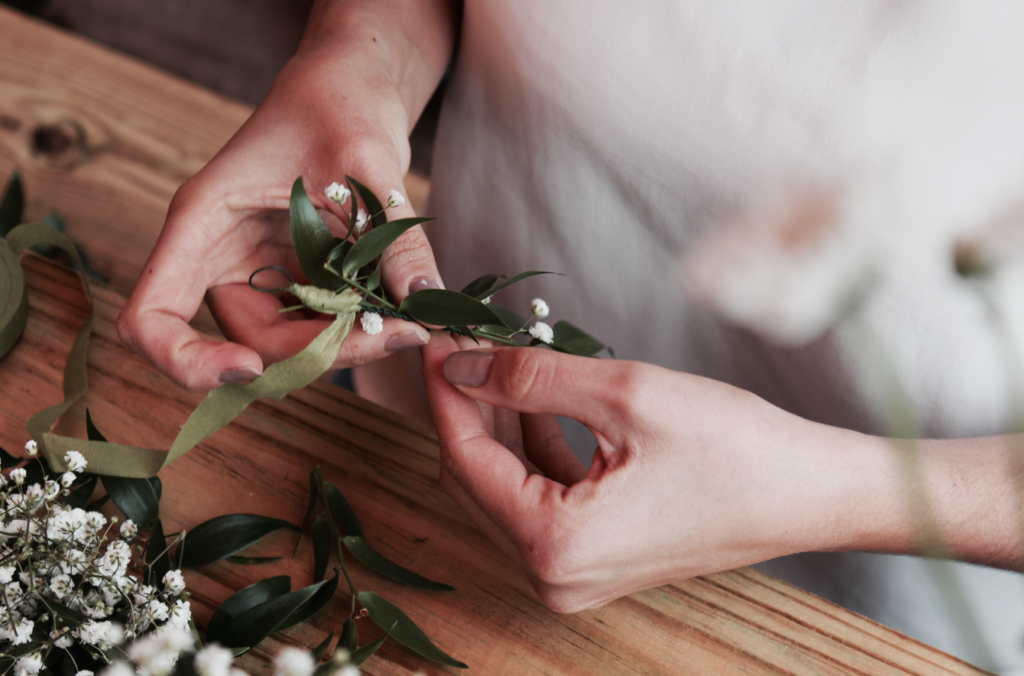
x: 319, y: 121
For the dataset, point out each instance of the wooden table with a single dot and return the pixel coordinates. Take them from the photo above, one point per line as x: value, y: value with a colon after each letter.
x: 134, y: 135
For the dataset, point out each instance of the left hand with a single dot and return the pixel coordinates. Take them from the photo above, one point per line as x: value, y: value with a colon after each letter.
x: 691, y: 476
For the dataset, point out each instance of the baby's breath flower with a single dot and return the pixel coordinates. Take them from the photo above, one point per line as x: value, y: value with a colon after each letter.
x: 179, y: 615
x: 542, y: 332
x: 372, y: 322
x: 18, y: 475
x: 539, y: 308
x: 29, y: 665
x: 117, y: 669
x: 395, y: 199
x: 6, y: 574
x: 61, y: 585
x: 337, y: 193
x: 213, y: 660
x: 293, y: 662
x: 129, y: 530
x: 75, y: 460
x: 31, y: 447
x: 360, y: 220
x: 84, y: 672
x: 23, y: 634
x: 157, y: 610
x: 62, y: 638
x: 174, y: 582
x: 51, y: 489
x: 487, y: 301
x: 67, y: 478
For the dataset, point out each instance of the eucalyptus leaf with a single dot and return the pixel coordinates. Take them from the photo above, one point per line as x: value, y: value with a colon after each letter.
x: 509, y: 318
x: 371, y: 558
x: 388, y: 617
x: 243, y: 600
x: 223, y: 536
x: 339, y: 251
x: 12, y: 205
x: 374, y: 280
x: 360, y: 655
x: 311, y: 238
x: 321, y: 650
x: 318, y: 600
x: 480, y: 287
x: 512, y: 280
x: 373, y: 243
x: 374, y: 208
x: 314, y: 493
x: 157, y: 556
x: 323, y: 538
x: 569, y: 338
x: 349, y: 635
x: 442, y: 307
x: 253, y: 560
x: 342, y: 511
x: 260, y: 621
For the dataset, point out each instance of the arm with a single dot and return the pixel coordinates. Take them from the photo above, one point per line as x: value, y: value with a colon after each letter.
x: 691, y: 476
x: 344, y: 104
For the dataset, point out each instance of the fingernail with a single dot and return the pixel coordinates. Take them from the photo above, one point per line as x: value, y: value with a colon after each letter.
x: 469, y: 369
x: 402, y: 341
x: 238, y: 375
x: 422, y: 283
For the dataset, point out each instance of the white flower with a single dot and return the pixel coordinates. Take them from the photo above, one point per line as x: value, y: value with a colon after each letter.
x: 117, y: 669
x: 213, y: 660
x: 180, y: 614
x: 372, y: 322
x: 76, y: 462
x: 67, y: 478
x: 51, y: 489
x: 62, y: 638
x: 31, y: 447
x: 360, y: 220
x: 129, y: 530
x: 60, y: 585
x: 336, y: 192
x: 23, y: 632
x: 6, y: 574
x: 487, y: 301
x: 539, y: 308
x: 348, y: 670
x: 84, y: 672
x: 156, y: 654
x: 18, y: 475
x: 293, y: 662
x: 395, y: 199
x: 157, y: 611
x: 33, y: 496
x: 174, y: 582
x: 30, y: 665
x: 542, y: 332
x: 101, y: 634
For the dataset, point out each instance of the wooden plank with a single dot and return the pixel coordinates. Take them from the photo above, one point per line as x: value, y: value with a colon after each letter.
x: 387, y: 466
x: 105, y: 140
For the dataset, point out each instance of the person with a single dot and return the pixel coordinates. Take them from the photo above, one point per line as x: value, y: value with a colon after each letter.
x: 610, y: 143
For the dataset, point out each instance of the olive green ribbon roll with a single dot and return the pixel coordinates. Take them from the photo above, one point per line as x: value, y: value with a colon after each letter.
x: 219, y: 408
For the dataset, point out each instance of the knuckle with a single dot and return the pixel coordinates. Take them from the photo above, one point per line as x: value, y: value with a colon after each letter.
x: 630, y: 385
x: 127, y: 322
x: 521, y: 373
x: 412, y: 248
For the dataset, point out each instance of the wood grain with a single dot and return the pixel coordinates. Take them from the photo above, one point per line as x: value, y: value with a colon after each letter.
x: 387, y: 465
x: 137, y: 134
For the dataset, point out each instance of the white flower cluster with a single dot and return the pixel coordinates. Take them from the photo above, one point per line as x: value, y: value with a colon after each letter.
x: 372, y: 322
x: 53, y: 555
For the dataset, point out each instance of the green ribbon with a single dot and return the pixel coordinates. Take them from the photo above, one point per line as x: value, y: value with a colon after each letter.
x: 219, y: 408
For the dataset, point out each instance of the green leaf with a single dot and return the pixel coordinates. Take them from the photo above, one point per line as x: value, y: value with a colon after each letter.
x: 349, y: 635
x: 223, y: 536
x: 480, y: 287
x: 320, y: 598
x: 136, y: 498
x: 321, y: 650
x: 260, y: 621
x: 360, y: 655
x: 374, y: 281
x: 442, y: 307
x: 373, y: 206
x: 373, y: 243
x: 12, y: 205
x: 157, y: 555
x: 340, y: 250
x: 374, y: 560
x: 386, y: 615
x: 573, y: 340
x: 342, y: 511
x: 311, y: 238
x: 73, y: 616
x: 314, y: 493
x: 512, y: 280
x: 243, y: 600
x: 322, y: 541
x: 252, y: 560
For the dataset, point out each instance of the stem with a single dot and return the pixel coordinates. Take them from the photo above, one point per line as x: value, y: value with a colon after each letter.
x: 337, y: 536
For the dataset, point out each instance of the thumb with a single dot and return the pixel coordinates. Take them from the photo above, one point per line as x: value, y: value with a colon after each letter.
x: 534, y: 380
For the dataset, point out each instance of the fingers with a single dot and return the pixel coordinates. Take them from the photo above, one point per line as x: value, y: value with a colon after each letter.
x: 592, y: 391
x: 252, y: 319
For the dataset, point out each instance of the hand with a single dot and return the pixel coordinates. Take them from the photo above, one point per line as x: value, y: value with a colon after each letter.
x: 691, y: 476
x: 337, y: 108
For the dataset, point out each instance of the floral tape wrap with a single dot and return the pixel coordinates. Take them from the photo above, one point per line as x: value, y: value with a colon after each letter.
x: 219, y: 408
